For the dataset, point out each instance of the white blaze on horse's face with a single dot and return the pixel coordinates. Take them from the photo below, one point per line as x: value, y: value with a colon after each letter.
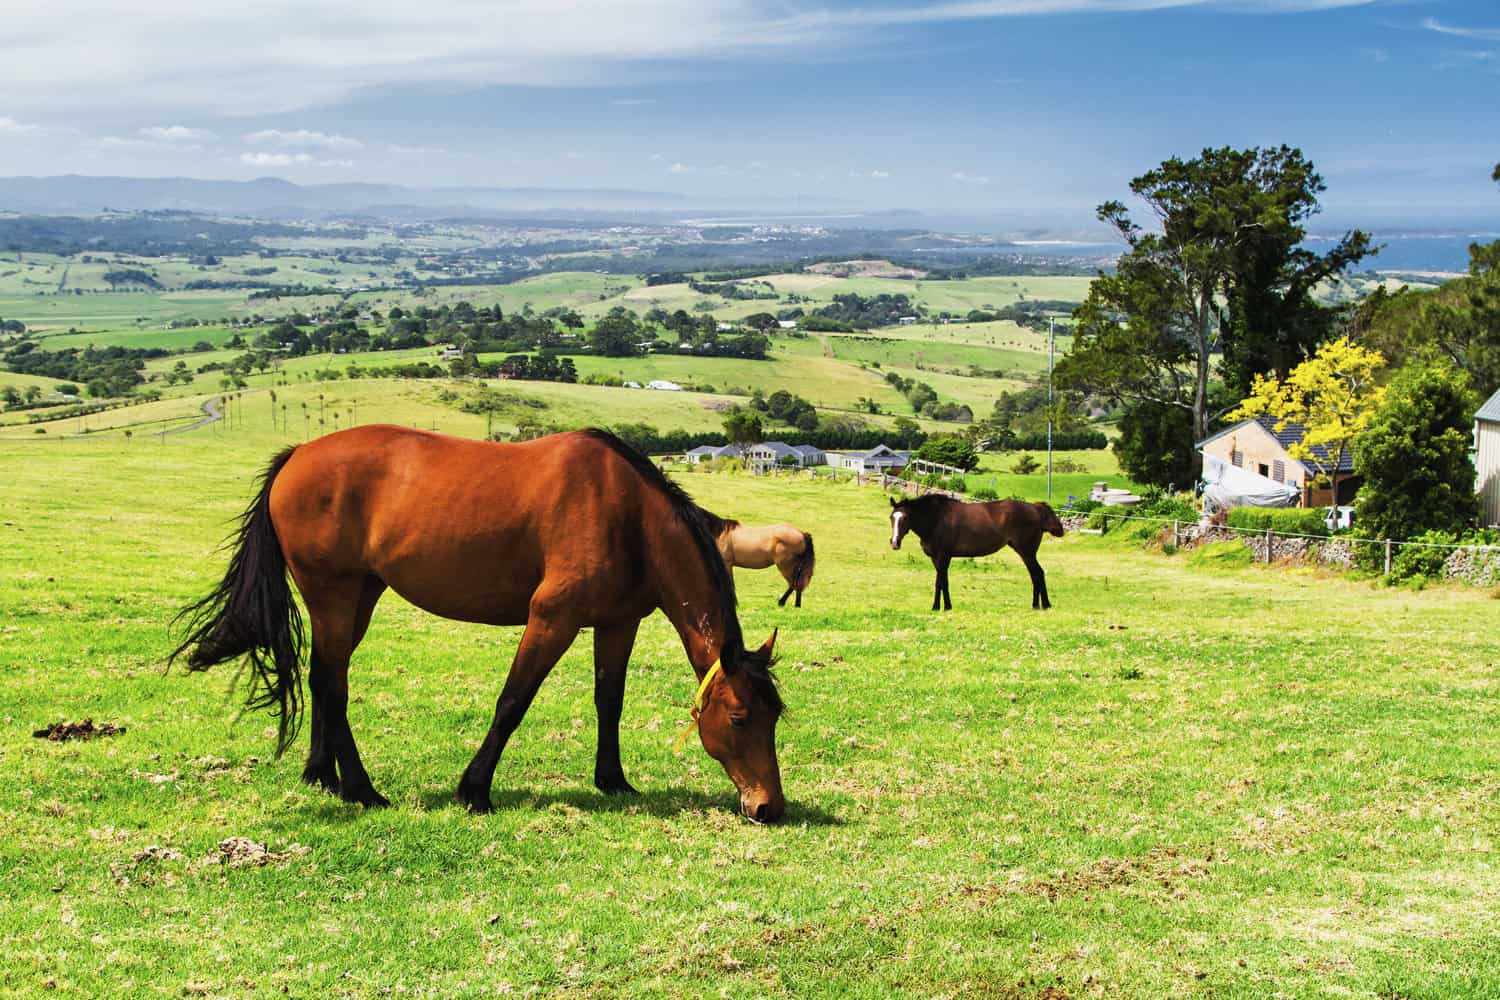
x: 897, y: 531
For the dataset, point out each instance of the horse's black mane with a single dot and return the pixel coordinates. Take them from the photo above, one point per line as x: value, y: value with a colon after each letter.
x: 927, y: 501
x: 704, y: 527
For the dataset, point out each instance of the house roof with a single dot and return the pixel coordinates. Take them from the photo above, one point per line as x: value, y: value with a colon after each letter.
x: 808, y: 449
x: 778, y: 448
x: 1291, y: 433
x: 1491, y: 409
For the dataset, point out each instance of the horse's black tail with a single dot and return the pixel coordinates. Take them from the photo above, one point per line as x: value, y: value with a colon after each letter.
x: 802, y: 575
x: 252, y: 612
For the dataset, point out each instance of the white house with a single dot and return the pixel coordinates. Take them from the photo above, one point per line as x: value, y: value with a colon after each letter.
x: 770, y: 454
x: 878, y: 459
x: 663, y: 385
x: 708, y: 452
x: 1487, y: 459
x: 787, y: 324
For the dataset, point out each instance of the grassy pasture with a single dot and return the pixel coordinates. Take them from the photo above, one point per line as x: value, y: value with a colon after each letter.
x: 1188, y: 779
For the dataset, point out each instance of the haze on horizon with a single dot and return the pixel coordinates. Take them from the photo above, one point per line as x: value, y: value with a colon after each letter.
x: 1026, y: 108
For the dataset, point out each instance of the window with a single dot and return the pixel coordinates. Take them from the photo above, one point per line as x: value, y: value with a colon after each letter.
x: 1237, y: 458
x: 1261, y: 468
x: 1278, y: 471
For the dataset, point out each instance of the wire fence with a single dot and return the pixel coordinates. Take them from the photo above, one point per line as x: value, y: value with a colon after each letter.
x: 1390, y: 545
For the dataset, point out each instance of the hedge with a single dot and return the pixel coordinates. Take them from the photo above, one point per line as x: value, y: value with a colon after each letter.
x: 1286, y: 520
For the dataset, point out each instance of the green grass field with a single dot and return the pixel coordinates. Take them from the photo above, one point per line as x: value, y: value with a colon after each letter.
x: 1193, y: 777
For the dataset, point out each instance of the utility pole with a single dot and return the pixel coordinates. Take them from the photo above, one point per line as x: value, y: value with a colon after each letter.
x: 1051, y: 354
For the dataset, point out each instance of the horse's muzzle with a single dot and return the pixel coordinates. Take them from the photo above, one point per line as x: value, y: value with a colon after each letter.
x: 762, y: 808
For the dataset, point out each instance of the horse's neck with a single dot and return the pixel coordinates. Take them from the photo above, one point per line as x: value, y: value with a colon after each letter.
x: 689, y: 597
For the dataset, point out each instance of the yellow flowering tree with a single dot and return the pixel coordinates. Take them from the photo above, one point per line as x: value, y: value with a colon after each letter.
x: 1332, y: 394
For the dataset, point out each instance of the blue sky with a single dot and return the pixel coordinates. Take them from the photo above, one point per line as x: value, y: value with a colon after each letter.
x: 1020, y: 108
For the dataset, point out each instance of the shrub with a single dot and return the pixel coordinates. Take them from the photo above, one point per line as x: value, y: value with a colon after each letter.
x: 1418, y: 562
x: 984, y: 493
x: 1084, y: 505
x: 1286, y: 520
x: 1025, y: 465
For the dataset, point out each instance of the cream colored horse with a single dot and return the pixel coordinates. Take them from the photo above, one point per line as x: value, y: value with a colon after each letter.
x: 789, y: 549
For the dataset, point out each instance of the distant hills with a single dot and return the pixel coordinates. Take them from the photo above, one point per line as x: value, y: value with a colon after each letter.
x: 274, y: 198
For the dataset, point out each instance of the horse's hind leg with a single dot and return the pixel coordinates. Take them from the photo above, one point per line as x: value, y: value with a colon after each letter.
x: 340, y: 613
x: 947, y: 593
x: 940, y: 585
x: 612, y: 648
x: 548, y: 635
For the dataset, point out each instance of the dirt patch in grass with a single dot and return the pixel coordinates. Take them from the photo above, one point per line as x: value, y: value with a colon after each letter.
x: 61, y: 732
x: 1164, y: 866
x: 242, y: 852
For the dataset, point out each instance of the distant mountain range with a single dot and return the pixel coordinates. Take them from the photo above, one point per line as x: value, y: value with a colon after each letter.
x: 274, y: 198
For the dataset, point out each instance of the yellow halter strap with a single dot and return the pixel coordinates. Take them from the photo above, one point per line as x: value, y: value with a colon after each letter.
x: 697, y: 706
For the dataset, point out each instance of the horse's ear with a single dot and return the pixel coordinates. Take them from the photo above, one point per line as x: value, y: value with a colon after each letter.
x: 892, y: 500
x: 770, y: 643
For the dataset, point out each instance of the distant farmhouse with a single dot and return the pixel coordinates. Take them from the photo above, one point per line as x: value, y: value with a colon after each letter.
x: 664, y: 385
x: 773, y: 454
x: 1487, y: 459
x: 1257, y: 446
x: 708, y: 452
x: 878, y: 459
x: 778, y: 454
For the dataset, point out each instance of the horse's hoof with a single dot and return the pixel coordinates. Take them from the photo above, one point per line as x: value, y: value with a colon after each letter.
x: 474, y: 800
x: 366, y: 796
x: 322, y: 774
x: 615, y: 786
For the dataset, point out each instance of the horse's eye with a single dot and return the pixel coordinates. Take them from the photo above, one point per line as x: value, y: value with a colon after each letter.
x: 739, y: 721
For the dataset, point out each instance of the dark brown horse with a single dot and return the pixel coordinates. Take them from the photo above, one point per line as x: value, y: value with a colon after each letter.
x: 572, y: 531
x: 951, y: 528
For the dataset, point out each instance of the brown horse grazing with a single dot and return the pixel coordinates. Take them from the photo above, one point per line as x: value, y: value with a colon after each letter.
x: 557, y: 534
x: 789, y: 549
x: 951, y: 528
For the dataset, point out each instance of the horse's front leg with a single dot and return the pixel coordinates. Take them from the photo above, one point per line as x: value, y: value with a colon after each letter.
x: 612, y: 646
x: 548, y: 635
x: 947, y: 594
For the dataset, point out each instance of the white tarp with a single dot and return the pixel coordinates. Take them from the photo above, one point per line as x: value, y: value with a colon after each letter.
x: 1227, y: 486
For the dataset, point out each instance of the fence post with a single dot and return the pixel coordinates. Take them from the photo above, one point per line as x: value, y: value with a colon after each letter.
x: 1268, y: 546
x: 1174, y: 532
x: 1387, y: 557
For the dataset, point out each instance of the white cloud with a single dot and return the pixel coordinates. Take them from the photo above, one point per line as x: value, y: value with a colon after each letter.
x: 680, y: 168
x: 263, y: 160
x: 1482, y: 34
x: 301, y: 138
x: 271, y: 56
x: 880, y: 175
x: 966, y: 178
x: 175, y: 133
x: 11, y: 125
x: 632, y: 102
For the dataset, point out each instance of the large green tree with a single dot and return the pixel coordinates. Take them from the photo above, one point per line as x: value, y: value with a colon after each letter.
x: 1414, y: 456
x: 1155, y: 445
x: 1217, y: 277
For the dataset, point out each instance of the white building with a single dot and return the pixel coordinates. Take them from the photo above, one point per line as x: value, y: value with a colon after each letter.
x: 878, y: 459
x: 1487, y: 459
x: 663, y: 385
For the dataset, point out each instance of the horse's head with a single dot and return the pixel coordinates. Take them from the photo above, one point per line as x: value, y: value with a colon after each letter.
x: 1051, y: 523
x: 737, y: 723
x: 900, y: 521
